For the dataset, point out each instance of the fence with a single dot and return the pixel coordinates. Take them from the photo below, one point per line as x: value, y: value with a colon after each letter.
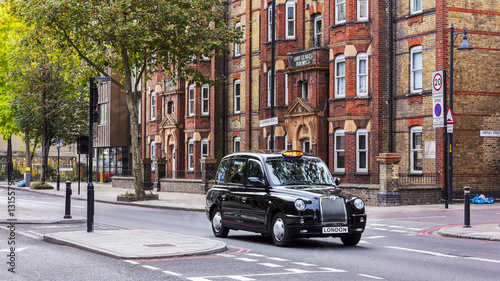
x: 411, y: 179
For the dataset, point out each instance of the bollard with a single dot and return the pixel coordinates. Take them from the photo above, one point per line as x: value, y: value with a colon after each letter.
x: 68, y: 200
x: 467, y: 206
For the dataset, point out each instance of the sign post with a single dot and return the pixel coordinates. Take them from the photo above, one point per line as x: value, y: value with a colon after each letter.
x: 437, y: 98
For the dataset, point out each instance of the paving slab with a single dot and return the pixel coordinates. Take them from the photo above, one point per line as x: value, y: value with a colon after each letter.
x: 137, y: 244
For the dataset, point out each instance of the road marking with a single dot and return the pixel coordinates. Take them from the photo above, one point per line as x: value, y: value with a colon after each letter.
x: 374, y: 237
x: 481, y: 259
x: 246, y: 259
x: 304, y: 264
x: 197, y: 279
x: 132, y: 262
x: 370, y: 276
x: 240, y: 278
x: 150, y: 267
x: 277, y: 259
x: 296, y: 270
x: 17, y: 250
x: 422, y: 252
x: 255, y: 255
x: 270, y: 264
x: 325, y: 270
x: 172, y: 273
x: 332, y: 269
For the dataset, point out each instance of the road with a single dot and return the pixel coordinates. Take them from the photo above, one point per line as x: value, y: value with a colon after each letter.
x: 395, y: 246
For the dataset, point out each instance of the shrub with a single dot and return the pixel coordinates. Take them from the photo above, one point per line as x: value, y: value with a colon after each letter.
x: 41, y: 185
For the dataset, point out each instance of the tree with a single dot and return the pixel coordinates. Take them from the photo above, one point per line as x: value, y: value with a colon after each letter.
x: 133, y: 36
x: 48, y: 103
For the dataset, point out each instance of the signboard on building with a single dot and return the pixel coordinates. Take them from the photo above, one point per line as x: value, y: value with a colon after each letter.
x: 437, y: 99
x: 268, y: 122
x: 303, y: 59
x: 490, y: 133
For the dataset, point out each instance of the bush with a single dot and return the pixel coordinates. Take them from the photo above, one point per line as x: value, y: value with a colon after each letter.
x: 41, y: 185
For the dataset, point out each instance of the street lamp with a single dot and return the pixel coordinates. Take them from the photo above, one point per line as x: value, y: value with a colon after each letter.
x: 464, y: 46
x: 93, y: 117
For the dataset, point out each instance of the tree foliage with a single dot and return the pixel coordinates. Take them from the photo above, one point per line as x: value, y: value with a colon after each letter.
x: 132, y: 37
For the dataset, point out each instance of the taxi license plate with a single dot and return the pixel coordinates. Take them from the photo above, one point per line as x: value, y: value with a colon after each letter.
x: 335, y: 229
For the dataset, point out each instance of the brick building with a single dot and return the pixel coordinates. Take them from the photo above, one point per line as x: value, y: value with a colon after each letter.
x: 350, y: 87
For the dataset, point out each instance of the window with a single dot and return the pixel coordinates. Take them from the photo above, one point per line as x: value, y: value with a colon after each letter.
x: 340, y: 76
x: 237, y: 171
x: 269, y: 88
x: 204, y: 148
x: 286, y: 143
x: 236, y: 144
x: 205, y: 91
x: 139, y: 111
x: 339, y: 157
x: 362, y: 74
x: 103, y: 113
x: 255, y: 170
x: 362, y: 10
x: 270, y: 143
x: 190, y: 151
x: 318, y: 26
x: 269, y: 23
x: 416, y: 149
x: 237, y: 96
x: 362, y: 150
x: 152, y: 154
x: 339, y: 11
x: 170, y: 107
x: 305, y: 90
x: 237, y: 44
x: 416, y: 69
x: 306, y: 145
x: 153, y: 105
x: 290, y: 20
x: 415, y: 6
x: 286, y: 89
x: 191, y: 101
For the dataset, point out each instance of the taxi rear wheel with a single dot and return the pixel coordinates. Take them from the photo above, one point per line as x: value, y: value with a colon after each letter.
x: 279, y: 232
x: 217, y: 228
x: 351, y: 239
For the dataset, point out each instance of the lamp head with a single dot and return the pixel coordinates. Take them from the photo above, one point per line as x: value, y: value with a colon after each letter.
x: 465, y: 43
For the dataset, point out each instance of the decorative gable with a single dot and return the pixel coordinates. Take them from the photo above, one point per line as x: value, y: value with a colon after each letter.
x: 300, y: 106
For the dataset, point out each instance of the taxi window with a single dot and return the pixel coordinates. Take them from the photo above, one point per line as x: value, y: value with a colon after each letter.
x: 237, y: 171
x: 255, y: 170
x: 221, y: 172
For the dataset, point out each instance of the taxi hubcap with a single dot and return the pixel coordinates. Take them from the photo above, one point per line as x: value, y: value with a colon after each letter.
x: 279, y: 229
x: 217, y: 222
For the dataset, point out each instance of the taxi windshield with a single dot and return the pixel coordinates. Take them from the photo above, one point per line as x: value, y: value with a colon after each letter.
x: 298, y: 171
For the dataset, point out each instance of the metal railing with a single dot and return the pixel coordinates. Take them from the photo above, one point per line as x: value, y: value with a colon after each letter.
x: 424, y: 178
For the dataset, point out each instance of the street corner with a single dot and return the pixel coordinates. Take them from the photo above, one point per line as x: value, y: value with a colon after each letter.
x: 489, y: 232
x: 137, y: 244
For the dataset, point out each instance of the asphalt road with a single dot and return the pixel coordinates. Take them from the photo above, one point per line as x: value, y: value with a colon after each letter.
x: 398, y: 246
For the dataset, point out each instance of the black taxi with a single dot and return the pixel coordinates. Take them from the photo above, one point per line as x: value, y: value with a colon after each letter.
x: 285, y: 195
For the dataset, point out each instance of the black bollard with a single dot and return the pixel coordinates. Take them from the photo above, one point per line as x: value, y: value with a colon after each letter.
x: 467, y: 206
x: 68, y: 200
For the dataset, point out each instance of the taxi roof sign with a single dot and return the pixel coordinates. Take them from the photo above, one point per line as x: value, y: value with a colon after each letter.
x: 292, y: 153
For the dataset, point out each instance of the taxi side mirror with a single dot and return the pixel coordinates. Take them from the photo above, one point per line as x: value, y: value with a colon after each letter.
x: 336, y: 181
x: 255, y: 181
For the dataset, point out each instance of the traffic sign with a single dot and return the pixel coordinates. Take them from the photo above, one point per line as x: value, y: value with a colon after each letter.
x: 57, y: 146
x: 268, y: 122
x: 437, y: 99
x: 449, y: 121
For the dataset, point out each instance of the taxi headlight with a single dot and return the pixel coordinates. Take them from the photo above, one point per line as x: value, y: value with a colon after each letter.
x: 359, y: 204
x: 300, y: 204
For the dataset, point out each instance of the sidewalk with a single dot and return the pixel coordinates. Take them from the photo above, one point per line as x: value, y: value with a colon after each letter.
x: 139, y: 244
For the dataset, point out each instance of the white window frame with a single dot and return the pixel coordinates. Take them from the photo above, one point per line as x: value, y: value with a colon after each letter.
x: 290, y: 20
x: 337, y: 151
x: 205, y: 148
x: 205, y: 99
x: 362, y: 76
x: 153, y: 106
x: 286, y: 142
x: 237, y: 45
x: 236, y: 144
x: 362, y: 16
x: 340, y: 59
x: 269, y: 88
x: 237, y: 95
x: 152, y: 150
x: 269, y: 24
x: 286, y: 89
x: 191, y: 100
x: 413, y: 149
x: 305, y: 90
x: 414, y: 70
x: 359, y: 150
x: 139, y: 111
x: 103, y: 113
x: 340, y: 5
x: 190, y: 152
x: 318, y: 33
x: 414, y: 7
x: 306, y: 143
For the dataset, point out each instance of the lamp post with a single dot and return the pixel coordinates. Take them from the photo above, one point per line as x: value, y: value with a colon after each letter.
x: 93, y: 117
x: 464, y: 46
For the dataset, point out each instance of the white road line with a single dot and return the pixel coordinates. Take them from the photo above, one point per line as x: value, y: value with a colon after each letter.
x: 255, y: 255
x: 246, y: 259
x: 197, y: 279
x: 304, y: 264
x: 370, y: 276
x: 172, y: 273
x: 150, y: 267
x: 132, y: 262
x: 398, y: 231
x: 374, y: 237
x: 481, y: 259
x: 422, y: 252
x: 296, y: 270
x: 240, y: 278
x: 378, y: 228
x: 332, y: 269
x: 270, y: 264
x: 325, y: 270
x: 396, y: 226
x: 277, y: 259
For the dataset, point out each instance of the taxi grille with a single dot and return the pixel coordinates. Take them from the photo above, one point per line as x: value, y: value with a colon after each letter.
x: 333, y: 210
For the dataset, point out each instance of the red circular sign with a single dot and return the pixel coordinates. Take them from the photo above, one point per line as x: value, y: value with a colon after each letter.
x: 437, y: 82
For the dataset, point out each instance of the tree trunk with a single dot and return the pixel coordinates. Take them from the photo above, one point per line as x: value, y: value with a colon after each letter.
x: 28, y: 154
x: 9, y: 151
x: 136, y: 146
x: 45, y: 156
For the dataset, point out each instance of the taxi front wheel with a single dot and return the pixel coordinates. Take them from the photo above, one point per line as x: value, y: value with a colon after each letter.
x: 351, y: 239
x: 280, y: 233
x: 217, y: 228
